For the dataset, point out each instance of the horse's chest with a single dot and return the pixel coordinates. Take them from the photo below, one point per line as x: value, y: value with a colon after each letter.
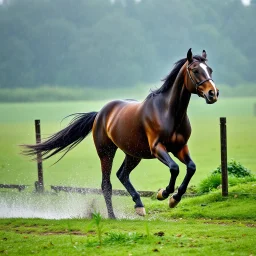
x: 175, y: 142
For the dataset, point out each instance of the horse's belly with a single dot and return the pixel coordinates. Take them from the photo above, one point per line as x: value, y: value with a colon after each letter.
x: 133, y: 143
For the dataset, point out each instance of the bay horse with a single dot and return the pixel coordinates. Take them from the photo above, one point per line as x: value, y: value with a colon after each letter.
x: 142, y: 130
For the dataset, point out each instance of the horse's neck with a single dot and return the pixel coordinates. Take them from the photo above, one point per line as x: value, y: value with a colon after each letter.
x: 178, y: 97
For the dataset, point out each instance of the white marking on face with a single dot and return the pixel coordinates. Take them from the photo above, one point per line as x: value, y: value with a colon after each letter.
x: 204, y: 67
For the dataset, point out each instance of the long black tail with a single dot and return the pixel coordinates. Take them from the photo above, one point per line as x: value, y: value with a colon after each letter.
x: 64, y: 140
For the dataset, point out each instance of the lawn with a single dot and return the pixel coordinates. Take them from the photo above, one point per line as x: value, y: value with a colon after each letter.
x: 205, y: 225
x: 81, y: 166
x: 78, y: 237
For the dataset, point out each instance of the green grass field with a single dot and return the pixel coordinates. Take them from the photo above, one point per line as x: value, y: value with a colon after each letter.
x: 204, y: 225
x: 178, y: 237
x: 81, y: 166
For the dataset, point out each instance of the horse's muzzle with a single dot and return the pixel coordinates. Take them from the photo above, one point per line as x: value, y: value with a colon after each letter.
x: 211, y: 97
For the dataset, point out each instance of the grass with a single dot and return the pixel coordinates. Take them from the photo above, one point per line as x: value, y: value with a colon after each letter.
x: 205, y: 225
x: 214, y: 181
x: 239, y: 205
x: 185, y: 237
x: 97, y: 220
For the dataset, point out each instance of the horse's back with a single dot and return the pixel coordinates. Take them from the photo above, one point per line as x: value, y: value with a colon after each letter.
x: 114, y: 110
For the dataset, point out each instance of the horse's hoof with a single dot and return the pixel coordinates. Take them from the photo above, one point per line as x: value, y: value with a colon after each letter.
x: 172, y: 202
x: 140, y: 211
x: 159, y: 195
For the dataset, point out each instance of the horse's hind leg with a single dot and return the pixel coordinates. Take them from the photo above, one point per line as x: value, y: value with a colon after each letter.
x: 106, y: 158
x: 123, y: 175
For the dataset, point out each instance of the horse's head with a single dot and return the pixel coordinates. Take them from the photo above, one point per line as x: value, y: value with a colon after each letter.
x: 199, y: 78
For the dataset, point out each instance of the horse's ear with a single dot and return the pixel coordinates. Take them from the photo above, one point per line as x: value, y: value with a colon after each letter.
x: 189, y: 56
x: 204, y: 54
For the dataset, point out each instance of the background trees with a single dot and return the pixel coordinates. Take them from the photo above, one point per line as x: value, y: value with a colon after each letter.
x: 121, y: 43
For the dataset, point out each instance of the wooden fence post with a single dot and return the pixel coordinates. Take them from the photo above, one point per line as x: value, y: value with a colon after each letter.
x: 223, y: 143
x: 40, y: 183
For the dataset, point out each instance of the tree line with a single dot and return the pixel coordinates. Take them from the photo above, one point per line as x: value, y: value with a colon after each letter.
x: 119, y: 43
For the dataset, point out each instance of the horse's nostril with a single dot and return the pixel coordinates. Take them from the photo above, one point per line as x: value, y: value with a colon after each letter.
x: 211, y: 93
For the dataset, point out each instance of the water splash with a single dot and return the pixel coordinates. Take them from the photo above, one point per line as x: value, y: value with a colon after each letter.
x: 60, y: 206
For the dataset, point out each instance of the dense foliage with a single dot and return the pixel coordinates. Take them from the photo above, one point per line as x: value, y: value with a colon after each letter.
x: 237, y: 174
x: 120, y: 43
x: 235, y: 169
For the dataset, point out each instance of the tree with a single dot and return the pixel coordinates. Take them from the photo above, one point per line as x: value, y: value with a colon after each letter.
x: 121, y: 43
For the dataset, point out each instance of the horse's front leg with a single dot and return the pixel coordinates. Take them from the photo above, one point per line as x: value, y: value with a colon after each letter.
x: 160, y: 152
x: 184, y: 157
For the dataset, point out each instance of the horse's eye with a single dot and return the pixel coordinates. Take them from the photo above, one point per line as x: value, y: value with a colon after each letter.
x: 195, y: 71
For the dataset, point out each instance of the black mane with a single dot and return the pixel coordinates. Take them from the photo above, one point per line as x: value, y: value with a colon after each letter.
x: 169, y: 80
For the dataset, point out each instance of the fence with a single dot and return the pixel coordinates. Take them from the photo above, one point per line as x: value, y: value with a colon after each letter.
x: 39, y: 184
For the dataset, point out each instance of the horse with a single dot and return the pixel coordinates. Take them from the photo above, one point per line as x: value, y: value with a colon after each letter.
x: 153, y: 128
